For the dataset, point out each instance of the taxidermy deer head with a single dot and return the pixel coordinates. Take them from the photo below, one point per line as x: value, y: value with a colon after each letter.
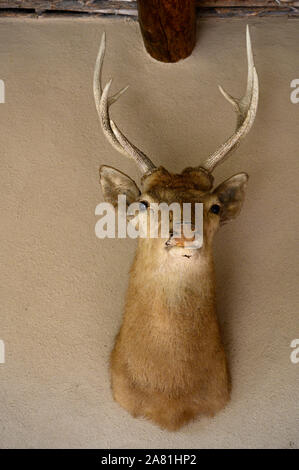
x: 168, y: 363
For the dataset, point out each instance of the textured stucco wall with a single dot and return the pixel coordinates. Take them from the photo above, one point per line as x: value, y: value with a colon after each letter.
x: 62, y: 289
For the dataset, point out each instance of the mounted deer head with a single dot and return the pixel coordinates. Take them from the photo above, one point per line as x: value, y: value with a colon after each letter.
x: 168, y: 362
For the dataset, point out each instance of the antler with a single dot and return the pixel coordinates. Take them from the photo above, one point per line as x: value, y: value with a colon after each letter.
x: 111, y: 131
x: 245, y: 108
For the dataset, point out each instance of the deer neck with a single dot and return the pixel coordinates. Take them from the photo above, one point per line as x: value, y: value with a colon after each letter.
x: 172, y: 284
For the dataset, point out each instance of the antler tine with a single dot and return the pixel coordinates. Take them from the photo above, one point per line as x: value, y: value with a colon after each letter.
x: 245, y: 108
x: 103, y: 103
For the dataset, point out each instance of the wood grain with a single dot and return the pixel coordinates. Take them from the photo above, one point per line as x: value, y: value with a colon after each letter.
x: 204, y: 8
x: 94, y: 6
x: 168, y: 28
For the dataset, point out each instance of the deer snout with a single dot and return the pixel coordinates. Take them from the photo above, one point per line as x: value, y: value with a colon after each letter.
x: 182, y: 235
x: 179, y: 240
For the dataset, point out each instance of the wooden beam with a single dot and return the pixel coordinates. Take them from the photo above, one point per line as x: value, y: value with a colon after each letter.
x: 168, y: 28
x: 205, y: 8
x: 114, y: 6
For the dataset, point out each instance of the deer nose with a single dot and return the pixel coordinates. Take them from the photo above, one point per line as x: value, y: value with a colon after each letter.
x: 178, y: 238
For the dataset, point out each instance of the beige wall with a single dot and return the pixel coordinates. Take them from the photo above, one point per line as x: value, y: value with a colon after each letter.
x: 62, y: 289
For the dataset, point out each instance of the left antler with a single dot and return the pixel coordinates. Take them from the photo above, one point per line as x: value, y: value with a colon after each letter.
x: 246, y: 109
x: 111, y: 131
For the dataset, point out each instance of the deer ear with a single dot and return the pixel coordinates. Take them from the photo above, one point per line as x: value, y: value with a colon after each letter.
x: 231, y: 194
x: 115, y: 183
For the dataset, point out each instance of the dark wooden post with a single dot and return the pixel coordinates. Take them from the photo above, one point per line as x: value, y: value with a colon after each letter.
x: 168, y: 28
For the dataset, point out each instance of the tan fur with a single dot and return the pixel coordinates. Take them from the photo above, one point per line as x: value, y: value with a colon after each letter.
x: 168, y: 363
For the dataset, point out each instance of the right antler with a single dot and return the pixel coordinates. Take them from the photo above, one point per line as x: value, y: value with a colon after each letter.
x: 246, y: 109
x: 111, y: 131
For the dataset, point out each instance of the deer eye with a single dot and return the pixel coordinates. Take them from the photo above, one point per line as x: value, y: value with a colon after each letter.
x: 143, y: 205
x: 215, y: 208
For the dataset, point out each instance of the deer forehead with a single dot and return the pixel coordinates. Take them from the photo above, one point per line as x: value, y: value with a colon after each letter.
x: 188, y: 185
